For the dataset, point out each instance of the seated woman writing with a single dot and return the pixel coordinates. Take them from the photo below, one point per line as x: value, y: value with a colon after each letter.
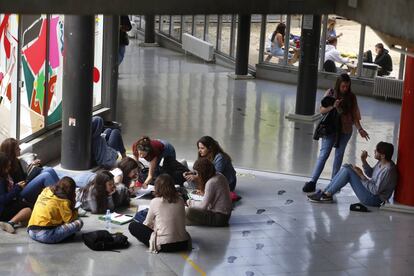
x: 164, y: 227
x: 215, y: 208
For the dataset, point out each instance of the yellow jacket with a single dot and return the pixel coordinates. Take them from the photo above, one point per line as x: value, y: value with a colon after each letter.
x: 51, y: 211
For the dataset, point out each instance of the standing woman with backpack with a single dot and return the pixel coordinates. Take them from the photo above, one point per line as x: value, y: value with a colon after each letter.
x: 347, y: 106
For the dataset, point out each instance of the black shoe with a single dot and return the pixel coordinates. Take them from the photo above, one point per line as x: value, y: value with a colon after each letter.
x: 309, y: 187
x: 320, y: 197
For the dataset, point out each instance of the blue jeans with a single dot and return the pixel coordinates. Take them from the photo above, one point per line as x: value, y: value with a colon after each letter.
x: 121, y: 53
x: 348, y: 175
x: 57, y: 234
x: 81, y: 179
x: 169, y: 151
x: 326, y: 148
x: 32, y: 190
x: 114, y: 139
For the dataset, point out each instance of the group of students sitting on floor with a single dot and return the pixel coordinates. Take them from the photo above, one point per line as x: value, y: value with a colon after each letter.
x: 48, y: 202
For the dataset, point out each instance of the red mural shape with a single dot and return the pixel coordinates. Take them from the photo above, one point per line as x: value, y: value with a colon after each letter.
x: 50, y: 91
x: 96, y: 75
x: 34, y: 105
x: 7, y: 46
x: 36, y: 53
x: 9, y: 92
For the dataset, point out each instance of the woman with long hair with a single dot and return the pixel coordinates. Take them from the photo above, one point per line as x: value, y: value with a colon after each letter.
x: 152, y: 150
x: 12, y: 209
x: 347, y: 106
x: 54, y: 216
x: 215, y: 208
x: 45, y: 177
x: 99, y: 194
x: 277, y: 42
x: 211, y: 149
x: 164, y: 227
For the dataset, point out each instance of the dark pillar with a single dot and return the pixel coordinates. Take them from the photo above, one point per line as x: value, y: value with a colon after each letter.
x: 149, y: 29
x: 308, y: 65
x: 243, y: 44
x: 77, y: 91
x: 404, y: 193
x: 110, y: 60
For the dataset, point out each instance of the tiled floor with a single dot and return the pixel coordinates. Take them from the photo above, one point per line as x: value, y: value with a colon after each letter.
x: 274, y: 230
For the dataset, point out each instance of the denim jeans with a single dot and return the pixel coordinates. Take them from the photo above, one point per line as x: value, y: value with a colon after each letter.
x: 57, y: 234
x: 121, y: 53
x: 348, y: 175
x: 32, y: 190
x: 114, y: 139
x: 81, y: 179
x: 326, y: 148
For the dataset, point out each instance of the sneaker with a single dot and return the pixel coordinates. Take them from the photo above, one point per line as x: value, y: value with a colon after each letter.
x: 309, y: 187
x: 8, y: 227
x: 319, y: 197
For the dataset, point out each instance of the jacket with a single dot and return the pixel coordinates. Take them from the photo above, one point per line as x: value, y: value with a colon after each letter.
x: 6, y: 197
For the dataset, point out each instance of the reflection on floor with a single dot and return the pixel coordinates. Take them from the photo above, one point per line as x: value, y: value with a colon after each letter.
x: 274, y: 231
x: 179, y: 98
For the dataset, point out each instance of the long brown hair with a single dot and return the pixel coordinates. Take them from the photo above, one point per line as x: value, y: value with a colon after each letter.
x: 9, y: 146
x: 4, y: 163
x: 347, y: 98
x: 143, y: 144
x: 127, y: 164
x: 164, y: 187
x: 205, y: 170
x: 281, y: 29
x: 65, y: 189
x: 213, y: 148
x: 98, y: 184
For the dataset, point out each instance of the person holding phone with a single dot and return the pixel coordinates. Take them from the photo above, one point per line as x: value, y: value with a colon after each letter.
x: 13, y: 210
x: 347, y: 106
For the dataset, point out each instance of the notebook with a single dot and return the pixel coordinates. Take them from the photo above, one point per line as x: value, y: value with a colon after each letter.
x: 118, y: 218
x: 143, y: 192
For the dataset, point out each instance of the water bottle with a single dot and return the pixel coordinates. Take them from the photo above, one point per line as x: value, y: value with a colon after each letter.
x: 108, y: 220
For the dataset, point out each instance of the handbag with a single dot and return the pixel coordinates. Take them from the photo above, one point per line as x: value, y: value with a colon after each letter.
x: 33, y: 170
x: 327, y: 125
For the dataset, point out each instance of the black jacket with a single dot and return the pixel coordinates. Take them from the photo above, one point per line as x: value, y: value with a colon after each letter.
x: 384, y: 60
x: 125, y: 27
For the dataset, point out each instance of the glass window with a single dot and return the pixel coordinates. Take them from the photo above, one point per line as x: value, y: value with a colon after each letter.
x: 142, y: 22
x: 188, y: 24
x: 33, y: 57
x: 235, y: 25
x: 199, y: 26
x: 8, y: 73
x: 225, y: 34
x: 165, y: 24
x: 176, y: 27
x: 255, y: 27
x: 97, y: 70
x: 212, y: 29
x: 54, y: 86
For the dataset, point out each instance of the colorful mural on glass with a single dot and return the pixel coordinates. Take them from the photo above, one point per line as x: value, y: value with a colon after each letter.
x: 8, y: 71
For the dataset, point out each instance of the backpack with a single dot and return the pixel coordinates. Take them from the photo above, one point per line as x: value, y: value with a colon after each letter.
x: 102, y: 240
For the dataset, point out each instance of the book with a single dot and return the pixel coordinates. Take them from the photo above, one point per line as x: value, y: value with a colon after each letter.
x: 194, y: 196
x: 118, y: 218
x: 143, y: 192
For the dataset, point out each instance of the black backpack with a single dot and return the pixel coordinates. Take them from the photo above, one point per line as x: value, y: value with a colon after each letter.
x: 102, y: 240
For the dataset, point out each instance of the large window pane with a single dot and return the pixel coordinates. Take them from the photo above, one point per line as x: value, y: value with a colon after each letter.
x: 176, y: 27
x: 97, y: 79
x: 187, y: 24
x: 165, y: 24
x: 54, y: 87
x: 212, y: 29
x: 8, y: 72
x: 33, y: 56
x: 255, y: 39
x: 199, y: 26
x: 225, y: 34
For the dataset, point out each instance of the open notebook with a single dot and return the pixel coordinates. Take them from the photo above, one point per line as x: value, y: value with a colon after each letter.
x: 143, y: 192
x: 118, y: 218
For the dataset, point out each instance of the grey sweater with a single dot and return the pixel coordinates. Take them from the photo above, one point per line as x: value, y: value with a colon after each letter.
x: 383, y: 179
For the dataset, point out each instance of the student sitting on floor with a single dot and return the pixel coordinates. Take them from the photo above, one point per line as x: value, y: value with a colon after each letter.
x: 164, y: 227
x: 152, y: 150
x: 101, y: 194
x: 106, y: 144
x: 12, y: 209
x: 215, y: 208
x: 38, y: 180
x: 54, y: 216
x: 372, y: 191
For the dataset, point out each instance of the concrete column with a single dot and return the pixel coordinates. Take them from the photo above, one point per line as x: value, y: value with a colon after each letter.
x: 242, y: 49
x: 308, y: 69
x: 77, y: 98
x: 149, y: 36
x: 404, y: 193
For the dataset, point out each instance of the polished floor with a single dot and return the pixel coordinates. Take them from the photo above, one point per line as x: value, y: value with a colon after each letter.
x: 274, y: 230
x: 167, y: 95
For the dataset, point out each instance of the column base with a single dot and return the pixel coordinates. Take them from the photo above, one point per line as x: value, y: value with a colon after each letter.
x: 303, y: 118
x: 144, y: 44
x: 240, y: 77
x: 395, y: 207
